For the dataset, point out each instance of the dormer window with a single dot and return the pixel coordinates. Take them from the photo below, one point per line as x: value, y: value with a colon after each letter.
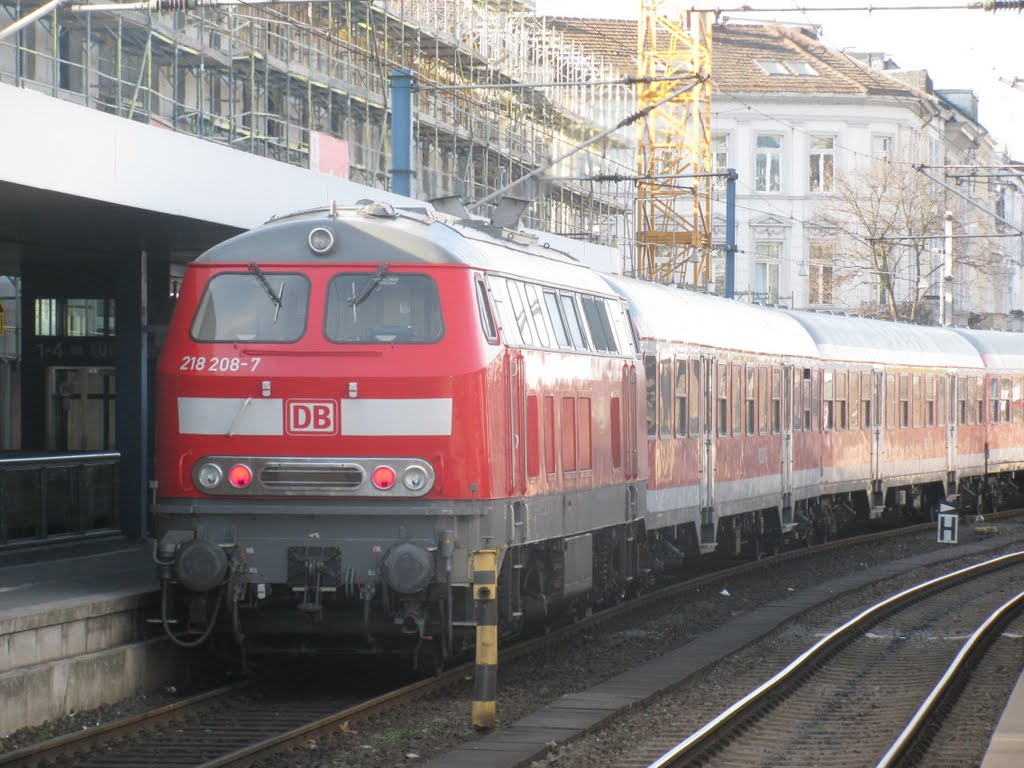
x: 799, y: 68
x: 773, y: 67
x: 802, y: 68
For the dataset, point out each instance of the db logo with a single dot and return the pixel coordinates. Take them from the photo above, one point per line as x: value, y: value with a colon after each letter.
x: 312, y: 417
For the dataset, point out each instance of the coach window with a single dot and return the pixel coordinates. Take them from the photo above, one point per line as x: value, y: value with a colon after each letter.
x: 557, y: 320
x: 736, y: 393
x: 798, y: 400
x: 750, y: 399
x: 853, y: 398
x: 962, y: 398
x: 776, y: 401
x: 693, y: 386
x: 904, y: 400
x: 1005, y: 399
x: 940, y: 400
x: 723, y: 399
x: 651, y: 372
x: 979, y: 390
x: 1015, y: 402
x: 890, y: 401
x: 484, y: 308
x: 972, y: 404
x: 253, y: 306
x: 763, y: 388
x: 572, y: 320
x: 865, y: 394
x: 808, y: 397
x: 665, y: 398
x: 993, y: 400
x: 929, y: 401
x: 827, y: 405
x: 681, y: 397
x: 840, y: 410
x: 916, y: 399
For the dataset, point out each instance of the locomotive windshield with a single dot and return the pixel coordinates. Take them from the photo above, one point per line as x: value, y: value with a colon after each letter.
x: 252, y: 306
x: 383, y: 308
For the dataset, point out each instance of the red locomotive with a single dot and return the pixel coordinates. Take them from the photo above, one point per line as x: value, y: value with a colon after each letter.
x: 353, y: 402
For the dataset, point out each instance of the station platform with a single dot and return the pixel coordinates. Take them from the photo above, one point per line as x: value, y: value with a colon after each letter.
x: 1006, y: 749
x: 74, y: 631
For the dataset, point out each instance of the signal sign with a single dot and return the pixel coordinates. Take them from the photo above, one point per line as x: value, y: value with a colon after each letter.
x: 948, y: 524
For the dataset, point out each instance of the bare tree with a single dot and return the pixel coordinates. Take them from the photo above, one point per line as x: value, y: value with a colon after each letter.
x: 886, y: 223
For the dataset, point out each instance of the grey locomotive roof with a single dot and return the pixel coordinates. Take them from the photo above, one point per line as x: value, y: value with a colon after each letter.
x: 999, y: 349
x: 363, y: 237
x: 665, y: 312
x: 858, y: 339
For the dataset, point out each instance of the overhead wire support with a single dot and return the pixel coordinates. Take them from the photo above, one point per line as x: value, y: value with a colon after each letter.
x: 583, y: 145
x: 921, y: 169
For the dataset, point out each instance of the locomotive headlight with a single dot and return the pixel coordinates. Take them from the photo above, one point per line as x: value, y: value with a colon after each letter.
x: 383, y: 478
x: 240, y: 476
x: 209, y: 476
x: 321, y: 240
x: 415, y: 478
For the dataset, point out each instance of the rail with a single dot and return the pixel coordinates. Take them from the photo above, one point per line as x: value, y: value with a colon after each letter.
x: 47, y: 495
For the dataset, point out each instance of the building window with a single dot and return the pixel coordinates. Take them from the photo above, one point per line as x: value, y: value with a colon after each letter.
x: 766, y: 272
x: 881, y: 147
x: 802, y: 68
x: 719, y: 158
x: 768, y: 164
x: 819, y: 273
x: 822, y: 160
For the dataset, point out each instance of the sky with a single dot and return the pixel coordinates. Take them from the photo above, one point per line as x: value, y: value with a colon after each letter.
x: 973, y: 49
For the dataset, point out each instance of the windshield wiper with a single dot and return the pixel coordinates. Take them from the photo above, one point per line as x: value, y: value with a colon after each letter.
x: 368, y: 287
x: 254, y: 268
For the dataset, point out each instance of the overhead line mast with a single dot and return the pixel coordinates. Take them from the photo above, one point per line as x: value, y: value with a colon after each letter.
x: 674, y: 222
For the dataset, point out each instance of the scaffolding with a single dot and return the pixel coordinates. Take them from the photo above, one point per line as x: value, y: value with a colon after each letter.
x: 674, y: 148
x: 267, y: 78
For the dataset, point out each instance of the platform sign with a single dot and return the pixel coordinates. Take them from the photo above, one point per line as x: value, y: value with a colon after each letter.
x: 948, y: 525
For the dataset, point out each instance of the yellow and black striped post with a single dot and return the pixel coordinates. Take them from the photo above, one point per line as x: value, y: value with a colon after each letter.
x: 484, y: 566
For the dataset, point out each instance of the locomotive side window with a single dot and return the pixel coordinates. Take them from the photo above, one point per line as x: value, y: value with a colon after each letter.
x: 572, y: 319
x: 600, y: 327
x: 540, y: 321
x: 382, y: 308
x: 252, y: 306
x: 568, y: 434
x: 523, y: 320
x: 557, y: 320
x: 502, y: 305
x: 484, y: 308
x: 585, y: 420
x: 549, y: 434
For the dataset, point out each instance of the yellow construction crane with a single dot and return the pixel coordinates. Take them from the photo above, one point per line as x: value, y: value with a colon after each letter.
x: 674, y: 149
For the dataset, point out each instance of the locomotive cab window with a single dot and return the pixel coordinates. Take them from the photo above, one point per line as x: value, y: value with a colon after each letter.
x: 383, y: 308
x: 484, y: 308
x: 253, y: 306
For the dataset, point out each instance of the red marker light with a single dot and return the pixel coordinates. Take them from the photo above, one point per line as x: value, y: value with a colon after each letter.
x: 240, y: 476
x: 383, y: 477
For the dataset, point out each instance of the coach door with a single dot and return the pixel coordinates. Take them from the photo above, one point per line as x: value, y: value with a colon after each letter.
x: 951, y: 435
x: 877, y: 423
x: 707, y: 452
x: 517, y: 421
x: 787, y: 442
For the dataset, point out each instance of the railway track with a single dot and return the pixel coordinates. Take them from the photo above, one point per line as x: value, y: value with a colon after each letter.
x: 231, y: 727
x: 840, y: 701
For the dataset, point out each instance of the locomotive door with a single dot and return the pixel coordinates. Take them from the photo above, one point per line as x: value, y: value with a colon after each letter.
x: 787, y: 444
x: 517, y: 421
x: 706, y: 462
x: 630, y: 419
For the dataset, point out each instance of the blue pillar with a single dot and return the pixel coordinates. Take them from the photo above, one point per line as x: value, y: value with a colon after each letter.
x: 401, y: 132
x: 730, y: 234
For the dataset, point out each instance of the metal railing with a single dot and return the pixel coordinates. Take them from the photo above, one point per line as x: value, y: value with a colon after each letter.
x: 43, y: 496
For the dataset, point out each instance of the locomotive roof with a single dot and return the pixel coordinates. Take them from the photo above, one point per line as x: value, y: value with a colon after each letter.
x: 668, y: 313
x: 377, y: 233
x: 859, y: 339
x: 999, y: 349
